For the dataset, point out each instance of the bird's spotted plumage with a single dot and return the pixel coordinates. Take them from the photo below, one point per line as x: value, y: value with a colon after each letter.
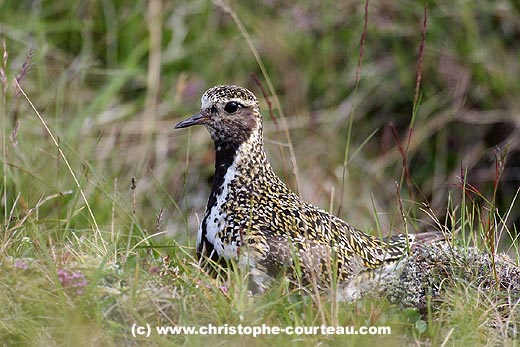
x: 252, y: 217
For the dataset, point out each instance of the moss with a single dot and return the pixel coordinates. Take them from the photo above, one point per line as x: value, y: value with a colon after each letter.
x: 430, y: 270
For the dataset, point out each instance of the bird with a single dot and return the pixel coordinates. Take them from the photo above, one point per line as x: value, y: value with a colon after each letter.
x: 255, y: 220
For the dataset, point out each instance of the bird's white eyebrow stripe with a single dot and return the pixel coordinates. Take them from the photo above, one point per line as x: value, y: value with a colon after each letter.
x: 206, y: 102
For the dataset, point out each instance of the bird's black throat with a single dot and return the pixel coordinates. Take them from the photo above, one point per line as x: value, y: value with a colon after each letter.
x: 224, y: 157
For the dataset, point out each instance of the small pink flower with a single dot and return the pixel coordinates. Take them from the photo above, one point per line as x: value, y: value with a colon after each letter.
x: 72, y: 280
x: 20, y: 265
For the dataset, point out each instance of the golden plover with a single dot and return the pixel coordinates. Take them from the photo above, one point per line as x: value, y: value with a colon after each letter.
x: 252, y: 217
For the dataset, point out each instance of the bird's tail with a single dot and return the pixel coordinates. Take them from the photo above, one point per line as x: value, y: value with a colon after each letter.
x: 429, y: 237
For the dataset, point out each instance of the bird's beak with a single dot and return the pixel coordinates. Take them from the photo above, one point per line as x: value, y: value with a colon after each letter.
x: 193, y: 120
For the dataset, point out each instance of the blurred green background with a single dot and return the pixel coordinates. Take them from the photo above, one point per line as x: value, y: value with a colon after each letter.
x: 111, y: 79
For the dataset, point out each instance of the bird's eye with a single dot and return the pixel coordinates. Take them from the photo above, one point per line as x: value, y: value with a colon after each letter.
x: 231, y: 107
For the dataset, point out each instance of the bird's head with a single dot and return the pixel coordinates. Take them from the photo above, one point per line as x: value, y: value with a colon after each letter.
x: 230, y: 113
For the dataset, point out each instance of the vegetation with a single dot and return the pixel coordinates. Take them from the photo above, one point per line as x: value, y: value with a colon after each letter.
x: 398, y: 116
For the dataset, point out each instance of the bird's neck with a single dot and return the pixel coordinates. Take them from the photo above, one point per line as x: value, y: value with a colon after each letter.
x: 245, y: 156
x: 233, y: 160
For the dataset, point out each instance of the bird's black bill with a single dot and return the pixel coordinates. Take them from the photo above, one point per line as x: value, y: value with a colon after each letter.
x: 193, y: 120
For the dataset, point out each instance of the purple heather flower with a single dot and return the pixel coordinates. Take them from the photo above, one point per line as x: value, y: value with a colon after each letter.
x: 73, y: 280
x: 191, y: 89
x: 19, y: 264
x: 302, y: 18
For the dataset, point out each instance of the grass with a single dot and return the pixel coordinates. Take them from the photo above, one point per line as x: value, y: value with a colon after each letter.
x: 99, y: 219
